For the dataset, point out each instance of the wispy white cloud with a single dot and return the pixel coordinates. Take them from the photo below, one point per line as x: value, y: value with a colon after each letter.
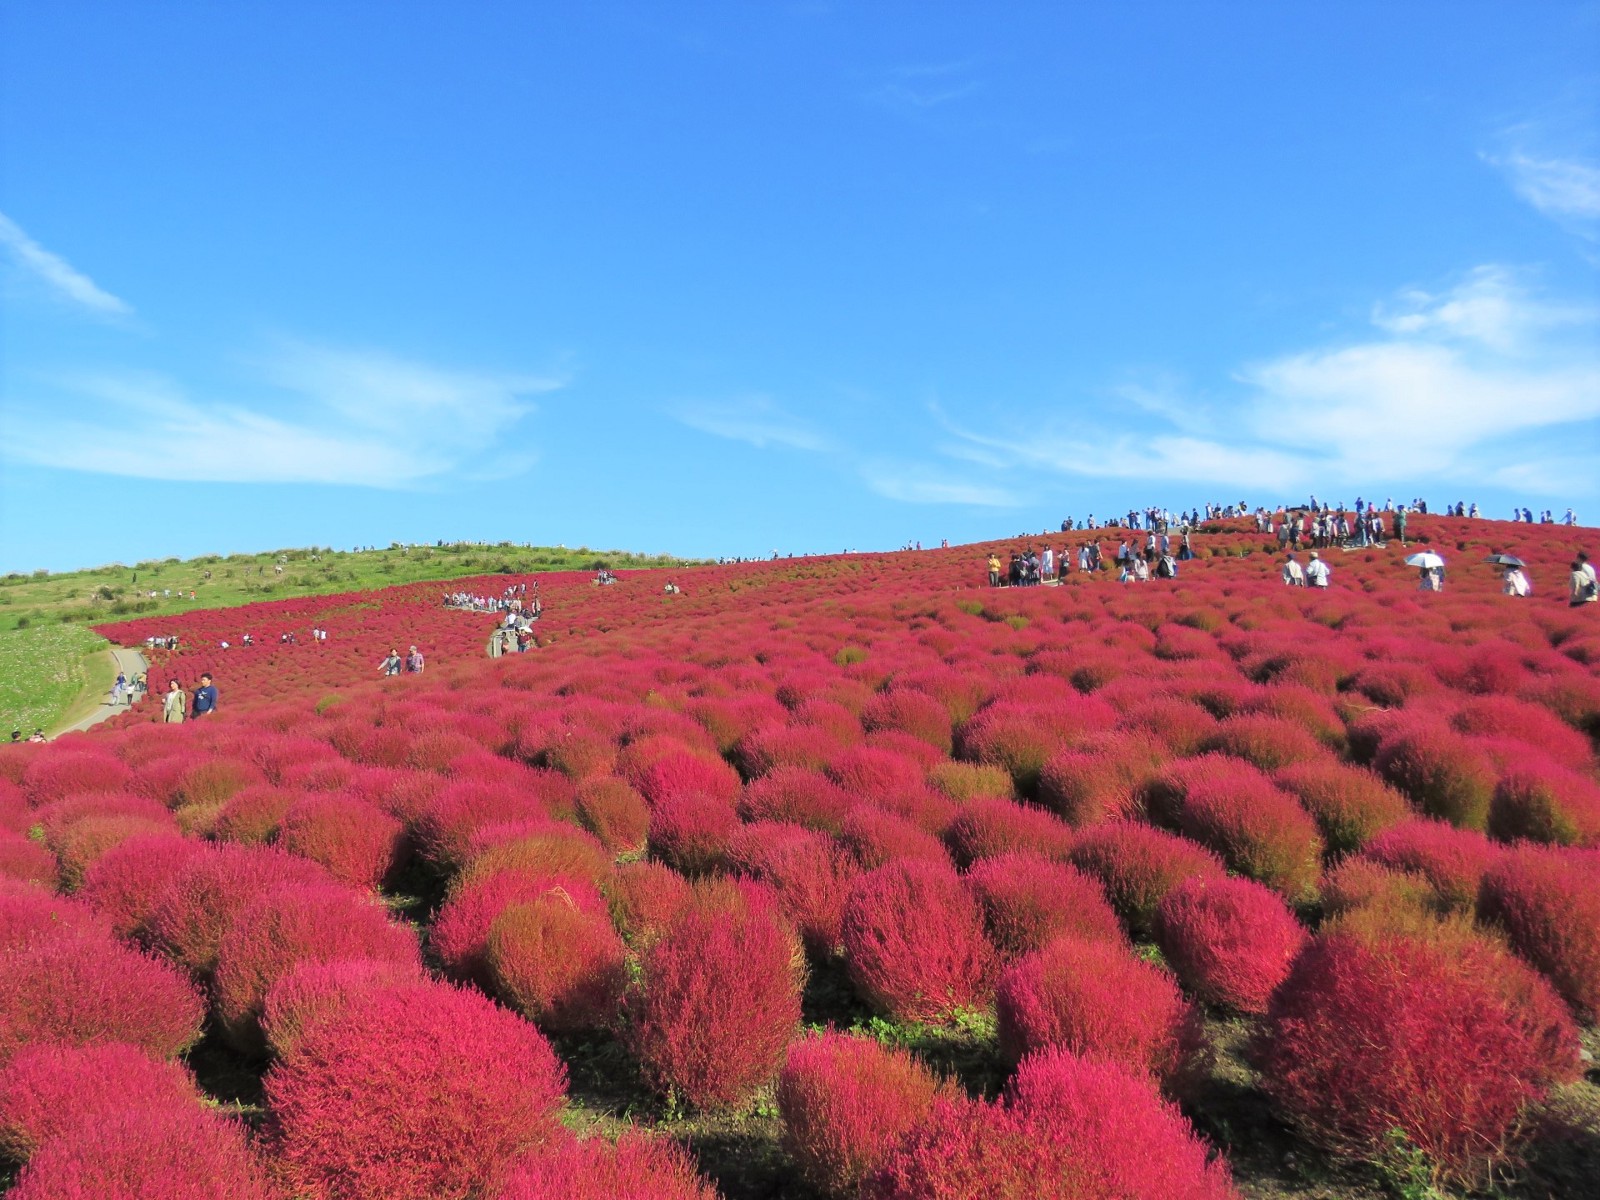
x: 922, y: 86
x: 1561, y: 187
x: 914, y: 483
x: 756, y: 420
x: 338, y: 417
x: 58, y: 276
x: 1483, y: 382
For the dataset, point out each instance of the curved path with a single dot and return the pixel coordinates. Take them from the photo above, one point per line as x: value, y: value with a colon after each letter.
x: 130, y: 663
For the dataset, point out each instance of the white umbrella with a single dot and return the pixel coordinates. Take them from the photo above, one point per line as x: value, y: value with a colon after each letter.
x: 1425, y: 559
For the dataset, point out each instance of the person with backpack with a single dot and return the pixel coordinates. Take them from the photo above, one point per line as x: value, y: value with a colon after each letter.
x: 414, y: 662
x: 391, y: 664
x: 1584, y: 589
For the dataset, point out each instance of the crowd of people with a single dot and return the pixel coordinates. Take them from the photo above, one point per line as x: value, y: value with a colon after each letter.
x: 1158, y: 558
x: 515, y: 599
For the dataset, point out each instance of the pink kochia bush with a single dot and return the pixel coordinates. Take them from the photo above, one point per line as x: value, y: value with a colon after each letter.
x: 691, y: 830
x: 1071, y: 1128
x: 88, y: 990
x: 1138, y: 865
x: 292, y: 925
x: 807, y: 870
x: 562, y: 967
x: 1542, y: 802
x: 25, y: 860
x: 1445, y: 1042
x: 126, y: 883
x: 846, y: 1101
x: 312, y: 992
x: 717, y: 1002
x: 357, y: 842
x: 1029, y: 900
x: 164, y: 1152
x: 1094, y: 998
x: 47, y: 1089
x: 635, y: 1167
x: 413, y: 1093
x: 1452, y: 860
x: 1548, y: 904
x: 1231, y: 941
x: 914, y: 942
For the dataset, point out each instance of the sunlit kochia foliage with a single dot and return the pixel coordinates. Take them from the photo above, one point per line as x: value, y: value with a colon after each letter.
x: 1068, y: 822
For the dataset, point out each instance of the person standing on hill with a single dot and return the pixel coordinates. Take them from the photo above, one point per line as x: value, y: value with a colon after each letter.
x: 1317, y: 572
x: 391, y: 665
x: 174, y: 704
x: 1584, y: 589
x: 414, y: 661
x: 1293, y: 574
x: 205, y: 697
x: 1516, y: 582
x: 994, y: 570
x: 1400, y: 526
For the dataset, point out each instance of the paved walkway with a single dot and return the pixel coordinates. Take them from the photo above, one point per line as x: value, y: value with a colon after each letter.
x: 130, y: 663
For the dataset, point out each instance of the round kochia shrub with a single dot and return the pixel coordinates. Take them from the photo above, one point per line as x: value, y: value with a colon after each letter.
x: 165, y: 1152
x: 29, y: 913
x: 914, y: 942
x: 460, y: 935
x: 357, y: 842
x: 635, y: 1167
x: 614, y: 813
x: 1548, y: 904
x: 986, y: 827
x: 1452, y: 860
x: 1231, y: 941
x: 807, y: 870
x: 1446, y: 1043
x: 1029, y: 900
x: 1443, y: 772
x: 413, y: 1093
x: 47, y: 1089
x: 1542, y: 802
x: 83, y: 991
x: 846, y: 1101
x: 25, y: 860
x: 1349, y: 804
x: 916, y: 713
x: 796, y: 794
x: 558, y: 965
x: 127, y: 882
x: 717, y: 1002
x: 292, y: 925
x: 1138, y: 865
x: 691, y: 830
x: 312, y: 992
x: 1071, y: 1128
x: 1093, y: 998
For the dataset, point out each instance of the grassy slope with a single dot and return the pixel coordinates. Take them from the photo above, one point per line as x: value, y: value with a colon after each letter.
x: 43, y: 671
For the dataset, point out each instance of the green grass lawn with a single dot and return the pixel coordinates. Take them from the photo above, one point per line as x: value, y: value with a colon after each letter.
x: 42, y: 672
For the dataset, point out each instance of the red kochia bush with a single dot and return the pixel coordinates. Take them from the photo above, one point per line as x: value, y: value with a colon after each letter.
x: 294, y: 924
x: 1138, y: 865
x: 716, y: 1005
x: 914, y: 943
x: 1028, y: 900
x: 63, y: 773
x: 312, y: 992
x: 83, y: 991
x: 635, y: 1167
x: 845, y: 1102
x: 1452, y: 860
x: 614, y: 813
x: 560, y: 966
x: 195, y: 913
x: 691, y: 830
x: 795, y: 794
x: 875, y: 838
x: 1098, y: 782
x: 1349, y: 804
x: 1268, y: 742
x: 47, y: 1089
x: 911, y: 712
x: 869, y: 773
x: 460, y: 934
x: 1092, y: 998
x: 682, y: 774
x: 126, y: 883
x: 357, y: 842
x: 1443, y: 772
x: 1548, y: 903
x: 1542, y: 802
x: 1071, y: 1128
x: 644, y: 899
x: 1230, y: 940
x: 29, y: 914
x: 80, y: 844
x: 160, y: 1153
x: 986, y: 827
x: 807, y: 870
x: 25, y: 860
x: 412, y: 1093
x: 1531, y: 724
x: 1445, y: 1043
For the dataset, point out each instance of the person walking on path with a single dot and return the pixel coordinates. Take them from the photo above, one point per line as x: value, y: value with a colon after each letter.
x: 117, y: 690
x: 205, y: 697
x: 174, y: 704
x: 1317, y: 572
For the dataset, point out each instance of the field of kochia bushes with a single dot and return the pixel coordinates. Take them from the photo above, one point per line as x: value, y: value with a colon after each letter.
x: 1087, y: 825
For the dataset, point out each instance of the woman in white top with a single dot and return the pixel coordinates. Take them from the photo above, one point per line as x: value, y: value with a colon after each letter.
x: 1516, y: 582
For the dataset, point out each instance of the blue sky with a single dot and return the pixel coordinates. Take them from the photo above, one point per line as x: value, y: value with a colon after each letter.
x: 727, y: 279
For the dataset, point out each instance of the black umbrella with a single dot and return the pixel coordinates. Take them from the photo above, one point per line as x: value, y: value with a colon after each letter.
x: 1505, y: 560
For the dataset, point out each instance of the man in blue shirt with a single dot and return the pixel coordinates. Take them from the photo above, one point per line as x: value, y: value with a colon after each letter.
x: 205, y: 696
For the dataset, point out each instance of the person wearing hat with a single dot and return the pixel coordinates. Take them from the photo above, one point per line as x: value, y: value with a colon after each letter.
x: 414, y: 661
x: 1293, y: 574
x: 1317, y: 572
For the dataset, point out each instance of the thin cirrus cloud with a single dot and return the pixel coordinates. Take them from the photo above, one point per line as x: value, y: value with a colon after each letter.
x: 358, y: 418
x: 56, y: 275
x: 1556, y: 186
x: 1481, y: 383
x: 755, y: 420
